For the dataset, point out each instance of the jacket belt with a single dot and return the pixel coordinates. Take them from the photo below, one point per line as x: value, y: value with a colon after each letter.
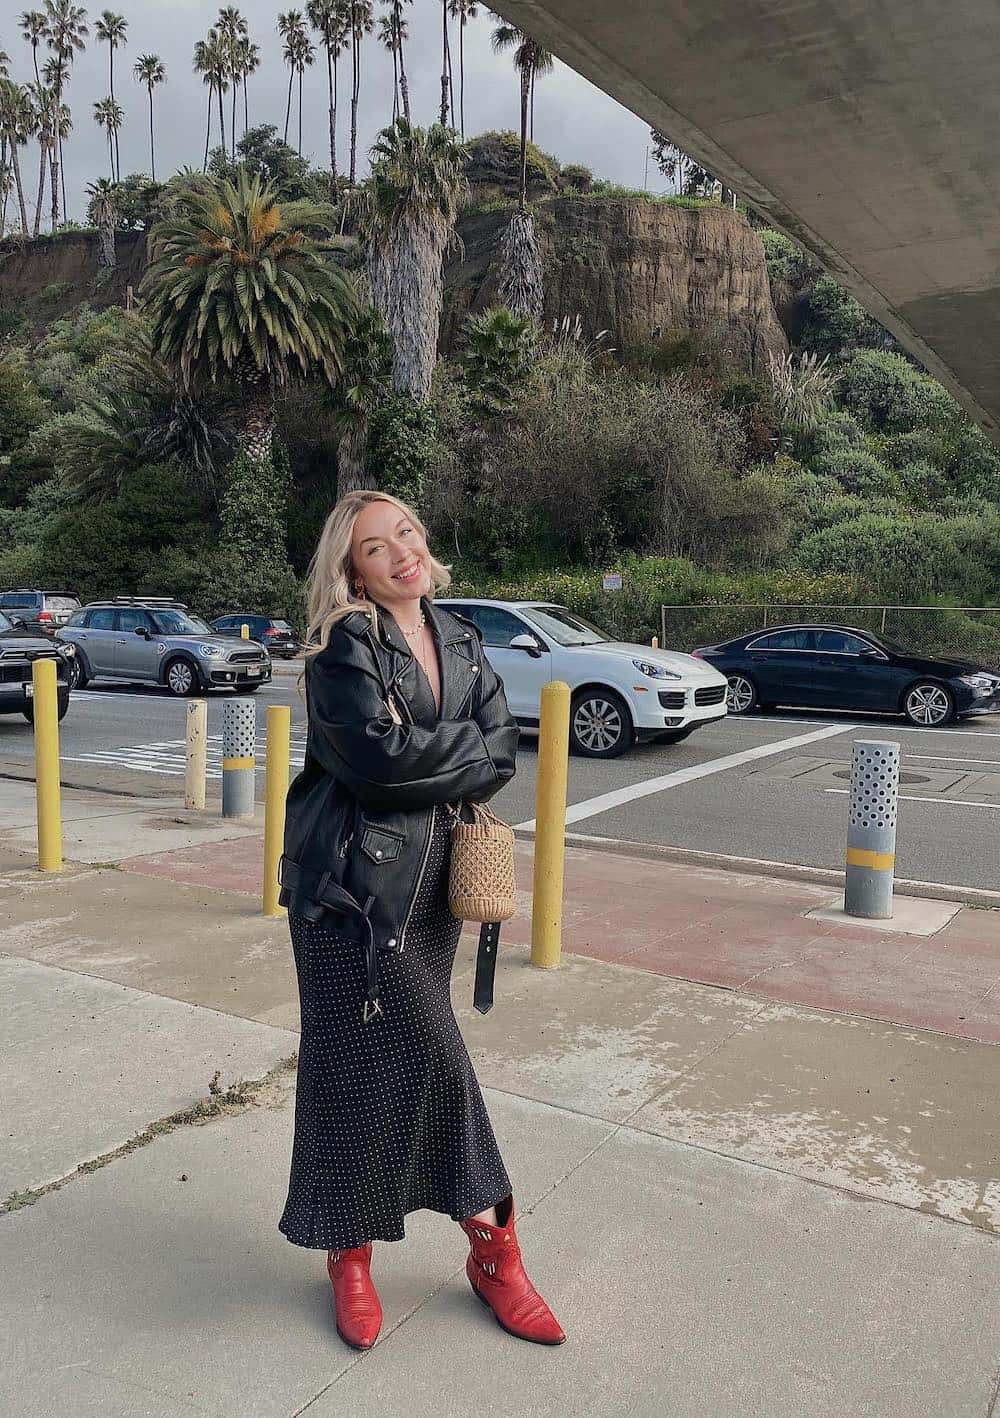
x: 321, y: 893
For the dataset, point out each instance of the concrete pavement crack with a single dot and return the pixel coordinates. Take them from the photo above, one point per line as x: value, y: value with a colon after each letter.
x: 237, y: 1098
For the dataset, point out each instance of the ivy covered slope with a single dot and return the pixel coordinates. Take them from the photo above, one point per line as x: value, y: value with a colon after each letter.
x: 778, y: 448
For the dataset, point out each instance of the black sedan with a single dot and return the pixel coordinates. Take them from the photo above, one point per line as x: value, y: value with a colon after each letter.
x: 837, y: 667
x: 19, y: 649
x: 277, y: 636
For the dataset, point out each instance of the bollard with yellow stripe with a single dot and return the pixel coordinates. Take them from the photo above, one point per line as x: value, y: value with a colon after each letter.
x: 45, y: 718
x: 550, y: 826
x: 871, y: 829
x: 239, y: 763
x: 279, y: 733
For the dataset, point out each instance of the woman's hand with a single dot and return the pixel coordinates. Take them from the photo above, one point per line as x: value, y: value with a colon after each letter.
x: 394, y: 712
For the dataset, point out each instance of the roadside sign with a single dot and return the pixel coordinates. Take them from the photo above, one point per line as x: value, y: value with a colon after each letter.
x: 612, y: 580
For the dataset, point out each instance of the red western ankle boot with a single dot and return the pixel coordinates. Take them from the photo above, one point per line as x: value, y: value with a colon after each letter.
x: 355, y: 1301
x: 497, y: 1275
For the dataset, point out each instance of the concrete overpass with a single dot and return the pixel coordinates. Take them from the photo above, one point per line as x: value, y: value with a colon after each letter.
x: 868, y: 130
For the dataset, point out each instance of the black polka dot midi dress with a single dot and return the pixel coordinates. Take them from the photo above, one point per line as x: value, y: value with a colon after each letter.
x: 389, y: 1116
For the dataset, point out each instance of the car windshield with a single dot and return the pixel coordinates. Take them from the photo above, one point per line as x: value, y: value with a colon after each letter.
x: 281, y: 625
x: 563, y: 626
x: 62, y: 603
x: 5, y: 624
x: 179, y: 623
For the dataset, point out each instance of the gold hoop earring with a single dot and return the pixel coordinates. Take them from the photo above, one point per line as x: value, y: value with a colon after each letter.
x: 359, y: 588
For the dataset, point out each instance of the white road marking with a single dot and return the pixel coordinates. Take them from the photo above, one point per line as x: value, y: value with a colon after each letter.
x: 889, y: 723
x: 955, y: 758
x: 605, y: 802
x: 168, y: 756
x: 913, y: 798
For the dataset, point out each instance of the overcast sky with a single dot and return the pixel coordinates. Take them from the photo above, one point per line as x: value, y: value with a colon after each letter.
x: 573, y: 119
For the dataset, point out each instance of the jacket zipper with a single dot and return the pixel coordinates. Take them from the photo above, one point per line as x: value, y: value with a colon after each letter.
x: 401, y: 699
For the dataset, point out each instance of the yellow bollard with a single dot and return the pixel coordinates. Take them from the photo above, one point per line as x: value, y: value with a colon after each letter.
x: 655, y: 642
x: 279, y: 729
x: 245, y: 631
x: 45, y: 700
x: 196, y: 747
x: 550, y: 826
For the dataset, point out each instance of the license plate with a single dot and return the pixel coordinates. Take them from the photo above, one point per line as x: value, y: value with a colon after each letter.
x: 255, y: 669
x: 29, y: 690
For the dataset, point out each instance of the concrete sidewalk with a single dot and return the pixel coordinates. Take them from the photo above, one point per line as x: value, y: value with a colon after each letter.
x: 735, y: 1201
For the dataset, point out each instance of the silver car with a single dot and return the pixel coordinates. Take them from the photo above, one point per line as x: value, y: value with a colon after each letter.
x: 158, y: 641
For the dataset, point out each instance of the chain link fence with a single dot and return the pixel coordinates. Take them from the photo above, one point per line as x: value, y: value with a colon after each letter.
x: 959, y: 632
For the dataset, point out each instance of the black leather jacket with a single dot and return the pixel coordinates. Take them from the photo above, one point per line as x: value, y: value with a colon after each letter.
x: 359, y: 814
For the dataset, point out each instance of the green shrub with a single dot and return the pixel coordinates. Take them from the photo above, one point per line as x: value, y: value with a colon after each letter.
x: 858, y: 471
x: 888, y: 395
x: 836, y: 324
x: 786, y: 261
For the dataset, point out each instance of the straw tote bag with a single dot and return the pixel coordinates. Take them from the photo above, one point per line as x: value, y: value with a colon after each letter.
x: 481, y: 880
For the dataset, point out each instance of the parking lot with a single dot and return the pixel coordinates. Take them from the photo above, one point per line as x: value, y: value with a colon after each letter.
x: 769, y: 787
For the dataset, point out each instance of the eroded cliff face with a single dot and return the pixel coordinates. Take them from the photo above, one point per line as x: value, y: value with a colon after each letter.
x: 633, y: 268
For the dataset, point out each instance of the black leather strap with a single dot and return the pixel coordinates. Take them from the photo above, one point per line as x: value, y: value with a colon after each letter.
x: 486, y: 964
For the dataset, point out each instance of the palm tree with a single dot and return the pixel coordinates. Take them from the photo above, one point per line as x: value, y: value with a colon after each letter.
x: 217, y: 58
x: 112, y: 29
x: 103, y: 195
x: 529, y: 59
x: 387, y: 35
x: 363, y: 389
x: 149, y: 70
x: 290, y: 26
x: 463, y: 11
x: 109, y: 115
x: 17, y: 122
x: 241, y: 287
x: 362, y: 22
x: 249, y: 62
x: 396, y: 7
x: 445, y: 67
x: 305, y: 55
x: 232, y: 30
x: 329, y: 19
x: 407, y: 212
x: 202, y: 64
x: 34, y: 28
x: 67, y: 32
x: 43, y: 126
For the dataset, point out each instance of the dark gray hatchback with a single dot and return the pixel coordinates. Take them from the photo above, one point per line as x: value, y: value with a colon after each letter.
x: 19, y: 649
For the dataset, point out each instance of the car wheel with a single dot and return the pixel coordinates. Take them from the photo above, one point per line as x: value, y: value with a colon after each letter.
x: 76, y: 675
x: 181, y: 678
x: 742, y: 694
x: 600, y: 725
x: 29, y: 709
x: 674, y: 735
x: 929, y: 705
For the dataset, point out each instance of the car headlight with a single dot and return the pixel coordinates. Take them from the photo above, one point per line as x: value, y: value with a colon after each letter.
x: 981, y: 685
x: 655, y: 671
x: 66, y: 649
x: 211, y: 652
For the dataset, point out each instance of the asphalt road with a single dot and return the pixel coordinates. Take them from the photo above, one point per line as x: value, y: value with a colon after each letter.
x: 770, y: 787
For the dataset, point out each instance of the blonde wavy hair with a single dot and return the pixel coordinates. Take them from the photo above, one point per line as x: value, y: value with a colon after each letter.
x: 330, y: 593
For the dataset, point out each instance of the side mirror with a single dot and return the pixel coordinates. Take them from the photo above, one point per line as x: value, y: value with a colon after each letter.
x: 141, y: 630
x: 872, y: 654
x: 526, y: 642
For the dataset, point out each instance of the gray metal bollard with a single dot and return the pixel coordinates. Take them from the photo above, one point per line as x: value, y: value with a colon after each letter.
x: 871, y: 832
x: 239, y: 763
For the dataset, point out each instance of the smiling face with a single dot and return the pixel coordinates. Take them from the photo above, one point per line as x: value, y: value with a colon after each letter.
x: 390, y: 555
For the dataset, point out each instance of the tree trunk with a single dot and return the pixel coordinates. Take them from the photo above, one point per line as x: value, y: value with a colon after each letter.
x: 111, y: 152
x: 301, y: 72
x: 222, y: 121
x: 109, y: 258
x: 246, y: 106
x: 395, y: 82
x: 232, y: 135
x: 288, y: 105
x: 404, y: 88
x: 41, y: 189
x: 16, y: 159
x: 405, y: 272
x: 444, y: 63
x: 332, y: 119
x: 531, y: 123
x: 355, y: 90
x: 152, y: 145
x: 116, y: 175
x: 208, y: 130
x: 351, y: 456
x: 258, y: 405
x: 461, y: 75
x: 54, y: 171
x: 525, y: 87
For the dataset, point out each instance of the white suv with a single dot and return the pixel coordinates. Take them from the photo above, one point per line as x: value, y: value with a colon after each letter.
x: 621, y: 692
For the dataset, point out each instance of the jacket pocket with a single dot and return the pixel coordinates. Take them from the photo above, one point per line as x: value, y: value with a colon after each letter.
x: 381, y: 844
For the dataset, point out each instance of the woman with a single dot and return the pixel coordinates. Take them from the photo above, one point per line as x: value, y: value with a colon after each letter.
x: 406, y: 717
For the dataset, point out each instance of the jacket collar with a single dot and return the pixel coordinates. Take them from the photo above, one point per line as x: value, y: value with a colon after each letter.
x: 458, y: 666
